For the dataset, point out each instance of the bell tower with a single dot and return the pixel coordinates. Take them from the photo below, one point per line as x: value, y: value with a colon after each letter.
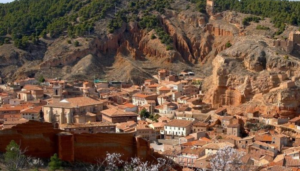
x: 57, y: 93
x: 210, y: 7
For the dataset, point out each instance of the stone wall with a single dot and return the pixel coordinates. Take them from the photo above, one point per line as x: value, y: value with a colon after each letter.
x: 42, y: 141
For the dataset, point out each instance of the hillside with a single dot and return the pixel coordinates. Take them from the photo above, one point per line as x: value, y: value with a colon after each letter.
x: 128, y: 40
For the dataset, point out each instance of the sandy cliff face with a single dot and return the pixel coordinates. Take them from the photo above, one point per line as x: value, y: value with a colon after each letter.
x: 252, y: 73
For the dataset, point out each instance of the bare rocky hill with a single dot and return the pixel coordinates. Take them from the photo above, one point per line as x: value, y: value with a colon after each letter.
x: 132, y: 54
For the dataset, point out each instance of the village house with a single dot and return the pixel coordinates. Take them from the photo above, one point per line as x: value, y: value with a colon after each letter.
x: 4, y: 98
x: 260, y: 149
x: 200, y: 127
x: 203, y: 162
x: 242, y: 143
x: 161, y: 99
x: 293, y: 152
x: 167, y: 108
x: 177, y: 86
x: 149, y: 82
x: 295, y: 122
x: 227, y: 120
x: 12, y: 117
x: 164, y: 119
x: 140, y: 99
x: 115, y: 115
x: 151, y: 88
x: 13, y: 109
x: 177, y: 128
x: 89, y: 127
x: 190, y: 90
x: 157, y: 127
x: 145, y: 132
x: 32, y: 113
x: 195, y: 143
x: 212, y: 148
x: 188, y: 156
x: 31, y: 92
x: 280, y: 140
x: 234, y: 129
x: 27, y: 81
x: 163, y: 90
x: 125, y: 127
x: 162, y: 74
x: 88, y: 89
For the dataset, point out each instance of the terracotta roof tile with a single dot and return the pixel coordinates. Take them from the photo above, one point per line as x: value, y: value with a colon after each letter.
x: 179, y: 123
x: 114, y: 112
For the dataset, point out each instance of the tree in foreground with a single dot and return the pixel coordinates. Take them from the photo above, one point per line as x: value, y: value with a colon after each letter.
x: 113, y: 161
x: 55, y: 163
x: 14, y: 157
x: 227, y: 158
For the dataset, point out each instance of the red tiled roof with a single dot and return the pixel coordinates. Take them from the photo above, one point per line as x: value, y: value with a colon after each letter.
x: 179, y: 123
x: 32, y: 87
x: 113, y: 112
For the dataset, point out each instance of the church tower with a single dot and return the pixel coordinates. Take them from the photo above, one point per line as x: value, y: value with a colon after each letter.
x: 57, y: 93
x: 210, y: 7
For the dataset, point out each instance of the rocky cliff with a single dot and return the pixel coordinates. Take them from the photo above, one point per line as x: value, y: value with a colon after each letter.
x: 252, y: 76
x: 195, y: 40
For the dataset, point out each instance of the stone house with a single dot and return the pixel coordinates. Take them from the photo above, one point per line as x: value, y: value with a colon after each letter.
x: 149, y: 82
x: 32, y: 113
x: 293, y: 152
x: 162, y: 74
x: 157, y: 127
x: 128, y: 126
x: 151, y: 88
x: 145, y: 132
x: 31, y: 92
x: 242, y: 143
x: 167, y: 108
x: 280, y: 140
x: 200, y: 126
x: 4, y: 98
x: 188, y: 156
x: 212, y: 148
x: 190, y: 90
x: 227, y: 120
x: 260, y: 149
x: 115, y: 115
x: 203, y: 163
x: 234, y: 129
x: 140, y: 99
x: 163, y: 90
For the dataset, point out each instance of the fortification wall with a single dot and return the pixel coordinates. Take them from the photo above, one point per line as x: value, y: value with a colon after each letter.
x: 38, y: 139
x: 42, y: 140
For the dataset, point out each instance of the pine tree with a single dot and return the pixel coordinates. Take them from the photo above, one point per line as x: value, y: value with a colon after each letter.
x: 55, y: 163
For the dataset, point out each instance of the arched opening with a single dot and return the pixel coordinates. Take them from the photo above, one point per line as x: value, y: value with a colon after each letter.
x: 56, y: 92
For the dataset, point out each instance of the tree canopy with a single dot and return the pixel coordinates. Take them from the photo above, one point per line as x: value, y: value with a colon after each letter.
x: 26, y: 20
